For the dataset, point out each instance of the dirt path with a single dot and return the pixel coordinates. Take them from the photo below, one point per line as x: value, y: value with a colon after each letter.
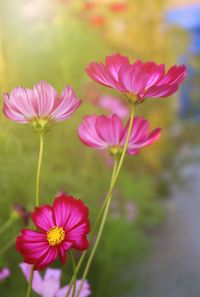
x: 173, y: 269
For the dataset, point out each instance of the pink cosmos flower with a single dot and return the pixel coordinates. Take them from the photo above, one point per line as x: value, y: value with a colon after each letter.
x: 107, y: 132
x: 39, y: 105
x: 61, y: 227
x: 139, y: 80
x: 49, y: 285
x: 113, y: 105
x: 4, y: 273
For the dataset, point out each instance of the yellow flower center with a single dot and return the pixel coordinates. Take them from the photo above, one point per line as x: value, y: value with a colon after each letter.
x: 55, y: 235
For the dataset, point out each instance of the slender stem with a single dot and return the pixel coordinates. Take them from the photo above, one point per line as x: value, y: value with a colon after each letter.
x: 91, y: 233
x: 108, y: 198
x: 28, y: 292
x: 37, y: 187
x: 74, y: 273
x: 7, y: 245
x: 7, y: 224
x: 37, y: 200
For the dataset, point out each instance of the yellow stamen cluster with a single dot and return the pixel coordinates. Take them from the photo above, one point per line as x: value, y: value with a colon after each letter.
x: 55, y: 235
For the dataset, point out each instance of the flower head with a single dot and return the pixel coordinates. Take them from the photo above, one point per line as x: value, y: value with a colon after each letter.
x: 49, y: 285
x: 113, y: 105
x: 107, y: 132
x: 4, y: 273
x: 39, y: 106
x: 61, y: 227
x: 20, y: 211
x: 139, y: 80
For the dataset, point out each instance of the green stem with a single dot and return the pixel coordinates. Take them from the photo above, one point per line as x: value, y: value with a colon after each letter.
x: 74, y: 273
x: 91, y: 233
x: 108, y: 199
x: 28, y: 292
x: 7, y: 245
x: 7, y: 224
x: 37, y: 187
x: 37, y: 195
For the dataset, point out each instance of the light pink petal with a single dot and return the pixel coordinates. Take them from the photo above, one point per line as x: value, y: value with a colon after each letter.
x: 37, y: 283
x: 46, y: 97
x: 4, y: 273
x: 85, y: 292
x: 67, y: 105
x: 51, y: 283
x: 114, y: 105
x: 42, y: 217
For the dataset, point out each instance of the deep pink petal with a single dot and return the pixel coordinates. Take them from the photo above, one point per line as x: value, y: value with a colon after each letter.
x: 42, y: 217
x: 88, y: 134
x: 69, y: 212
x: 47, y: 258
x: 32, y: 245
x: 160, y: 91
x: 110, y: 129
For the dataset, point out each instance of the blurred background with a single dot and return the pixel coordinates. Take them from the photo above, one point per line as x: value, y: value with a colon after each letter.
x: 151, y: 244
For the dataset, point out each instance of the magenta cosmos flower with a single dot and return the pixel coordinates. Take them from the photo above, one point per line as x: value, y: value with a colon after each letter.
x: 139, y: 80
x: 40, y: 105
x: 61, y: 227
x: 49, y: 285
x: 107, y: 132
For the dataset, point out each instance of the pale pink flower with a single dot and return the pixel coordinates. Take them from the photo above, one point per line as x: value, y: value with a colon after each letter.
x: 139, y: 80
x: 4, y: 273
x: 107, y: 132
x: 49, y: 285
x: 113, y: 105
x: 40, y: 105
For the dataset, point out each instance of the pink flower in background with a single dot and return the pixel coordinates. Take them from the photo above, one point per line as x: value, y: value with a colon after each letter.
x: 40, y: 105
x: 107, y: 132
x: 114, y: 105
x: 61, y: 227
x: 139, y: 80
x: 20, y: 211
x: 49, y: 285
x: 4, y: 273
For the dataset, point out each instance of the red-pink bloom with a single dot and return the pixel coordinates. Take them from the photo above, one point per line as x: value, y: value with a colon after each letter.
x: 39, y: 105
x: 140, y: 80
x: 61, y: 227
x: 107, y: 132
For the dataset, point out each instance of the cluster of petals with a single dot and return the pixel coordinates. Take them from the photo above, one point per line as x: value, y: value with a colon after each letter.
x: 113, y: 105
x: 4, y: 273
x: 60, y: 227
x: 107, y: 132
x: 49, y: 285
x: 42, y: 102
x: 140, y: 80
